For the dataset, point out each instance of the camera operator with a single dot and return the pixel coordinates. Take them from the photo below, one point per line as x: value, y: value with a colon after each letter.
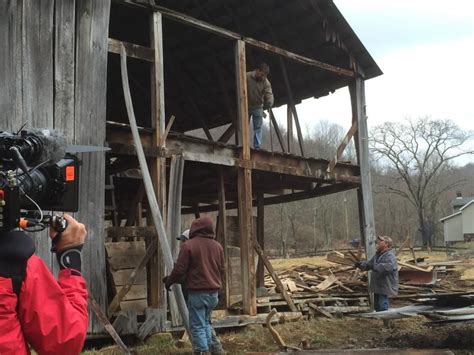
x: 36, y: 309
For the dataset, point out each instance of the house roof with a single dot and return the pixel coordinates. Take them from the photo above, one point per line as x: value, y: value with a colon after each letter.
x: 461, y: 201
x: 466, y: 205
x: 199, y: 67
x: 450, y: 216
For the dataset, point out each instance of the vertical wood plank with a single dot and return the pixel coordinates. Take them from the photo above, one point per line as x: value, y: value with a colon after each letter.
x: 357, y: 93
x: 292, y: 107
x: 249, y: 301
x: 64, y: 39
x: 244, y: 181
x: 242, y: 105
x: 90, y: 96
x: 64, y: 79
x: 157, y: 166
x: 37, y: 82
x: 289, y: 128
x: 174, y: 223
x: 260, y: 238
x: 222, y: 236
x: 10, y: 65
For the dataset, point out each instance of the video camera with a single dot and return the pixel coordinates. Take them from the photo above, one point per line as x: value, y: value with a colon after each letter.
x: 36, y: 174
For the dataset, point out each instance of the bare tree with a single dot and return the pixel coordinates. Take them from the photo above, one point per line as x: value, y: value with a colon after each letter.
x: 418, y: 151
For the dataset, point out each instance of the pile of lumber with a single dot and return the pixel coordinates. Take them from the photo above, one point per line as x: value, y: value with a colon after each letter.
x: 416, y: 276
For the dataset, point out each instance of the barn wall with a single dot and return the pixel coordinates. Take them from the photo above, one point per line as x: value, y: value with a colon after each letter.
x: 468, y: 219
x: 53, y: 67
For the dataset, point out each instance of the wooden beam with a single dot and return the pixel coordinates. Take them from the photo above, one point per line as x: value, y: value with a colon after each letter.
x: 222, y: 236
x: 202, y: 25
x: 277, y: 131
x: 242, y: 105
x: 298, y: 129
x: 224, y: 138
x: 174, y: 223
x: 291, y: 105
x: 244, y: 187
x: 244, y: 181
x: 133, y: 50
x: 321, y: 191
x: 342, y: 146
x: 299, y: 58
x: 105, y: 322
x: 289, y: 128
x: 364, y: 193
x: 314, y: 169
x: 157, y: 166
x: 260, y: 238
x: 357, y: 94
x: 275, y: 278
x: 152, y: 200
x: 222, y: 32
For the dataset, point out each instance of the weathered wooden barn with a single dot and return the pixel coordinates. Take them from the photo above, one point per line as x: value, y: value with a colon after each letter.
x: 60, y: 68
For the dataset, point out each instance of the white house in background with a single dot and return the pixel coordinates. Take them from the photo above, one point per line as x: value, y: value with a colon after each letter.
x: 459, y: 226
x: 467, y: 213
x: 452, y: 228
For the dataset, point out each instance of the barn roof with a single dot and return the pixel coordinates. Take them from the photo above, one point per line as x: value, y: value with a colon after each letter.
x: 199, y: 66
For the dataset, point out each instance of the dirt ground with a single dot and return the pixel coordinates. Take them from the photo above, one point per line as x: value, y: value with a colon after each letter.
x: 339, y: 333
x: 319, y: 333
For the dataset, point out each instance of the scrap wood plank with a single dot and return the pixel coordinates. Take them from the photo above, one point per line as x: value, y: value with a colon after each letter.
x: 275, y: 277
x: 341, y: 285
x: 105, y: 322
x: 414, y: 267
x: 319, y: 310
x: 338, y: 258
x: 329, y: 281
x: 290, y: 285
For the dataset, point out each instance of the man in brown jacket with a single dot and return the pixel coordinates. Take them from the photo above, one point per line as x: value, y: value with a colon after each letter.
x: 260, y: 97
x: 201, y: 263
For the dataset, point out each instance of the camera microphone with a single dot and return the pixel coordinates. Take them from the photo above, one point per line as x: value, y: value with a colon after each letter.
x: 54, y: 145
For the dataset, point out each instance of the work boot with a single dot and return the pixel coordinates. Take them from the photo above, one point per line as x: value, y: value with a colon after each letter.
x: 217, y: 350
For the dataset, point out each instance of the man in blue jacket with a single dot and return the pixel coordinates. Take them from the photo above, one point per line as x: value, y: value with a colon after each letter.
x: 384, y: 276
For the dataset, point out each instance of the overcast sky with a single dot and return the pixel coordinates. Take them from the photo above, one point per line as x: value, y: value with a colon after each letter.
x: 425, y: 49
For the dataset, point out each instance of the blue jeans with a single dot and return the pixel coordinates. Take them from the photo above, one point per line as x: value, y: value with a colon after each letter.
x: 200, y: 306
x: 257, y: 119
x: 381, y: 302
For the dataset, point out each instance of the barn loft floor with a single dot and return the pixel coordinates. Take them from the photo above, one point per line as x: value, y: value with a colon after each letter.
x: 281, y: 177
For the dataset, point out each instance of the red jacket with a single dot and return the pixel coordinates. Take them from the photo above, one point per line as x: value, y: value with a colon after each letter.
x: 51, y: 314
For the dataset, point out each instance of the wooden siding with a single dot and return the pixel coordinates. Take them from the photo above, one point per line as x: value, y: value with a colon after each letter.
x: 53, y: 70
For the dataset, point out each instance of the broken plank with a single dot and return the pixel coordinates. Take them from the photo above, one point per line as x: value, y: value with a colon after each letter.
x: 320, y: 310
x: 414, y: 267
x: 329, y: 281
x: 275, y: 277
x: 336, y: 257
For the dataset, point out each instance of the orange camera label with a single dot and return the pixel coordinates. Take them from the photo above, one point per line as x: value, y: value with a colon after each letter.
x: 70, y: 173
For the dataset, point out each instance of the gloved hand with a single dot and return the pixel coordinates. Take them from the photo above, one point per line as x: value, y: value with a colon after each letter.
x: 68, y: 244
x: 358, y: 264
x: 166, y: 281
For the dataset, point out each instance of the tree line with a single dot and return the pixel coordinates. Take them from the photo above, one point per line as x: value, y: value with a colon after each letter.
x: 415, y: 176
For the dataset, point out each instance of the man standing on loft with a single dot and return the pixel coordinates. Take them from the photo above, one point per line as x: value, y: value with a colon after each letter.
x: 260, y: 97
